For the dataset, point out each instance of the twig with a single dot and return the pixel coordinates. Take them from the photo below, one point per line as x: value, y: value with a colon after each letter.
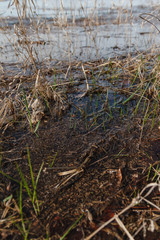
x: 123, y: 227
x: 149, y: 14
x: 85, y: 78
x: 133, y: 203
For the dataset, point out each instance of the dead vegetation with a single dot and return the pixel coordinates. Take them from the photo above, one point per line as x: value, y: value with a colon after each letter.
x: 79, y: 145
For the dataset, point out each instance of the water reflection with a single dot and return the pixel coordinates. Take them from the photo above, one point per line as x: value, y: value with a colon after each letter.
x: 70, y: 7
x: 83, y: 30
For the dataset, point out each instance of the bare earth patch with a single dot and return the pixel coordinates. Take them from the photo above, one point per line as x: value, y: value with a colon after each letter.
x: 95, y: 174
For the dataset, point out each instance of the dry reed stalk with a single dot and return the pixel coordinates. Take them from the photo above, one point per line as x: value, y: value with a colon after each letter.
x: 85, y: 77
x: 134, y: 202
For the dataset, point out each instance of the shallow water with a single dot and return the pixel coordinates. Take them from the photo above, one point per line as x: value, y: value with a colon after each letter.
x: 70, y: 6
x: 83, y: 31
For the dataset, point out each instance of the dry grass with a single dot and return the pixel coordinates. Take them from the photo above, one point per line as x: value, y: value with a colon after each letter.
x: 140, y: 76
x: 140, y: 79
x: 142, y: 224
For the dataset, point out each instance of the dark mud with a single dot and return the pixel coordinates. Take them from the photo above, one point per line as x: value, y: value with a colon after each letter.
x: 114, y: 166
x: 97, y: 155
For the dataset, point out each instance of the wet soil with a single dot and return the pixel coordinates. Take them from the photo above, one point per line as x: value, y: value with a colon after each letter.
x: 94, y: 163
x: 112, y: 167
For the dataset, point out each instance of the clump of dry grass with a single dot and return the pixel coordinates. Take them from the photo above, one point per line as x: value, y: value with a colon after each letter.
x: 10, y: 216
x: 140, y: 72
x: 140, y: 75
x: 142, y: 224
x: 45, y: 96
x: 10, y: 108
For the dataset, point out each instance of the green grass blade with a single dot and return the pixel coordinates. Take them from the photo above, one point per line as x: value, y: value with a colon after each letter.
x: 141, y: 98
x: 20, y: 208
x: 33, y: 182
x: 25, y: 184
x: 130, y: 97
x: 7, y: 198
x: 37, y: 126
x: 31, y: 171
x: 51, y: 164
x: 73, y: 225
x: 9, y: 177
x: 39, y: 172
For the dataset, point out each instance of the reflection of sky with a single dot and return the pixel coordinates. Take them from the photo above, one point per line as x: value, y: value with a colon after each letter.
x: 52, y: 6
x: 107, y: 39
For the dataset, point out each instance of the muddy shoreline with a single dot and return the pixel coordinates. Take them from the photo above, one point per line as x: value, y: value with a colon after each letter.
x: 79, y: 127
x: 93, y: 162
x: 116, y: 167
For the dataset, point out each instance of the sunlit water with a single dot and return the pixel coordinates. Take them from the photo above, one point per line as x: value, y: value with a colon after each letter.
x: 49, y: 7
x: 118, y: 30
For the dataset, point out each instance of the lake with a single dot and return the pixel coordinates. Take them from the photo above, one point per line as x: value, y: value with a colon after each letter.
x: 44, y: 6
x: 86, y: 30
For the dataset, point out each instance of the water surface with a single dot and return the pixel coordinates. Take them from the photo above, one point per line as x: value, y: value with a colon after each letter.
x: 83, y: 30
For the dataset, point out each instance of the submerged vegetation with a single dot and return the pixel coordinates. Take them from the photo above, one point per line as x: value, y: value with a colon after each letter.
x: 79, y: 143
